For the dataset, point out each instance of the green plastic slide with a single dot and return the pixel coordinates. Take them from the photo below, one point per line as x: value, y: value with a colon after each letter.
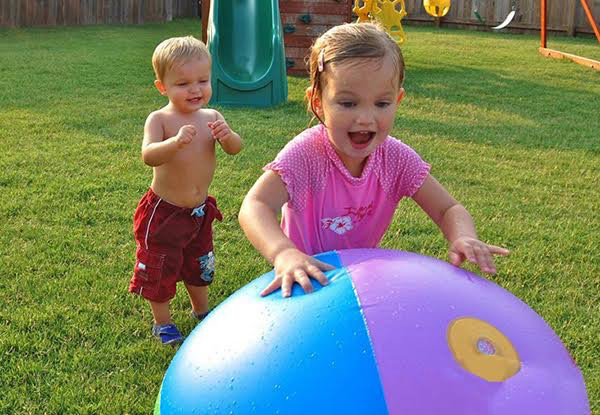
x: 245, y: 39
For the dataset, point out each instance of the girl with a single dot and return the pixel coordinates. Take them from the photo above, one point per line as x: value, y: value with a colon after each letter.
x: 339, y: 183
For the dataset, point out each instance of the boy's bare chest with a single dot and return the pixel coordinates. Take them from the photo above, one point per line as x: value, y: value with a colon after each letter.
x: 201, y: 149
x: 202, y: 141
x: 200, y: 152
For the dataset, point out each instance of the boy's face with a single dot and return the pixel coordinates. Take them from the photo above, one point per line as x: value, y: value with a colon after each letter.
x: 358, y: 104
x: 187, y: 84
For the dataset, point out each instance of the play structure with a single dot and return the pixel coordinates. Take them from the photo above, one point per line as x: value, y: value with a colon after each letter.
x: 393, y: 333
x: 255, y: 43
x: 303, y: 21
x: 509, y: 18
x: 594, y: 64
x: 245, y: 39
x: 389, y: 13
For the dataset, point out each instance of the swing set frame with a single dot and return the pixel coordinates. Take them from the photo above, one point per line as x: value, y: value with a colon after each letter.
x: 551, y: 53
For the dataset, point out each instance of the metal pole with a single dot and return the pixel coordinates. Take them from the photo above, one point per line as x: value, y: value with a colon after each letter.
x: 588, y: 13
x: 543, y: 22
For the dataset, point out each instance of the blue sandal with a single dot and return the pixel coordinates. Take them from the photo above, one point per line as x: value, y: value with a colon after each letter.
x: 167, y: 333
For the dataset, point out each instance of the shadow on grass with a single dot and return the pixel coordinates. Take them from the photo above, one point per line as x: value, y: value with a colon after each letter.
x: 544, y: 113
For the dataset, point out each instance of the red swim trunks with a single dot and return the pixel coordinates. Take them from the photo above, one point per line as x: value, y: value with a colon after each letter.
x: 173, y: 244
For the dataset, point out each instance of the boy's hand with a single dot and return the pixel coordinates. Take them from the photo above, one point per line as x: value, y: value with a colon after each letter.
x: 185, y: 135
x: 220, y: 130
x: 292, y: 265
x: 476, y: 252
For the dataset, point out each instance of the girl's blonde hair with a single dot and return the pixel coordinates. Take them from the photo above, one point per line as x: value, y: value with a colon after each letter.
x: 352, y: 42
x: 174, y: 50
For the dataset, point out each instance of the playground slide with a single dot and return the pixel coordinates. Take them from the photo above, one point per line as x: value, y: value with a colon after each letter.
x: 245, y: 39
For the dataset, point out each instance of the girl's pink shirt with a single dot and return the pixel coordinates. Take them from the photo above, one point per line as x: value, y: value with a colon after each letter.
x: 330, y: 209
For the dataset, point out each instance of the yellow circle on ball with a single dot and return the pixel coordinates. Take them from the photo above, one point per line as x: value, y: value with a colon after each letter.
x: 482, y: 349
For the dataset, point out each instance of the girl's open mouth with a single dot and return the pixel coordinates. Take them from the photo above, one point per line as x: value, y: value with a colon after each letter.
x: 360, y: 139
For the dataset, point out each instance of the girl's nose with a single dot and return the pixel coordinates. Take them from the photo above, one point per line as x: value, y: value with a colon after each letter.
x: 365, y: 117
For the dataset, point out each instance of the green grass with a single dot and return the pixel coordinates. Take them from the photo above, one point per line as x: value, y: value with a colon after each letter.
x: 513, y: 135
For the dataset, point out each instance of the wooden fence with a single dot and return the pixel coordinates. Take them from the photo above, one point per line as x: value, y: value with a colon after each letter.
x: 86, y: 12
x: 563, y: 15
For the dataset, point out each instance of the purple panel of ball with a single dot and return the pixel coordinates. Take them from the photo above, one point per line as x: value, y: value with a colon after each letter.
x: 410, y: 302
x: 308, y: 354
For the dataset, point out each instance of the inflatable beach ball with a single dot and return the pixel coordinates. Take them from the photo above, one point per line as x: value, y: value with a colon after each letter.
x: 393, y: 333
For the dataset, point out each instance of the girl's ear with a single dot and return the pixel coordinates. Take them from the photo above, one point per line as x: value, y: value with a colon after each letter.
x: 315, y: 101
x: 160, y: 86
x: 400, y: 95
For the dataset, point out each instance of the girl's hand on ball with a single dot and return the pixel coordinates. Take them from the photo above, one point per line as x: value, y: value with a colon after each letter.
x: 292, y: 265
x: 476, y: 252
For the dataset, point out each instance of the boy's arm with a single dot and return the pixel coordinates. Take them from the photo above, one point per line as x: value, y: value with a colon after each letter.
x: 456, y: 224
x: 155, y: 150
x: 229, y: 140
x: 258, y: 219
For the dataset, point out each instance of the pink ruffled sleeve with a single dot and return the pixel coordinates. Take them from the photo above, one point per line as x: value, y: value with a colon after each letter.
x: 404, y: 170
x: 295, y: 164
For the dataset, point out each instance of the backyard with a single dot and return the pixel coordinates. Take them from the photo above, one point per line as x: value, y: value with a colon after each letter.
x: 513, y: 135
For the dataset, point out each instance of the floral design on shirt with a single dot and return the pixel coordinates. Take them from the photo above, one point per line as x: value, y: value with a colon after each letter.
x: 339, y: 225
x: 361, y: 212
x: 343, y: 224
x: 207, y: 266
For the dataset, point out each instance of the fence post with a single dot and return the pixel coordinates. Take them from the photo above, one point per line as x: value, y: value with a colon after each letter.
x: 490, y: 13
x: 195, y: 8
x: 572, y: 18
x: 14, y: 13
x: 169, y: 10
x: 52, y: 6
x: 125, y: 7
x: 140, y: 12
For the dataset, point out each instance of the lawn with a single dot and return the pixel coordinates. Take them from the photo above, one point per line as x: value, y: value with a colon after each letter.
x: 513, y: 135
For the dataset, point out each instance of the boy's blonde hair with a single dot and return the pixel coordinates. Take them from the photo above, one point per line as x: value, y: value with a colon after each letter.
x: 174, y: 50
x: 352, y: 42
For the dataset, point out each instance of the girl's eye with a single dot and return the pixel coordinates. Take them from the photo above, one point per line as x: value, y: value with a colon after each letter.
x: 346, y: 104
x: 181, y: 84
x: 383, y: 104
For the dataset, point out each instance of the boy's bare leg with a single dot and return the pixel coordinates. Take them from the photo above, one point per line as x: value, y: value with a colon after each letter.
x: 198, y: 298
x: 160, y: 312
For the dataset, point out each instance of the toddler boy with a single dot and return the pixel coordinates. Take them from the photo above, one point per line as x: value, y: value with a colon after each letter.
x: 173, y: 220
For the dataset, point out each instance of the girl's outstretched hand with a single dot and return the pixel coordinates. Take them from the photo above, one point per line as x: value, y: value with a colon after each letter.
x: 292, y: 265
x: 476, y: 252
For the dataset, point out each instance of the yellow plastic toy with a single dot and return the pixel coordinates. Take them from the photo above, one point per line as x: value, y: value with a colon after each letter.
x: 362, y: 11
x: 386, y: 13
x: 436, y: 8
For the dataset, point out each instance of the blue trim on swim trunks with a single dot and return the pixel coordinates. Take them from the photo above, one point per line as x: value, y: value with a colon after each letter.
x: 207, y: 266
x: 199, y: 211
